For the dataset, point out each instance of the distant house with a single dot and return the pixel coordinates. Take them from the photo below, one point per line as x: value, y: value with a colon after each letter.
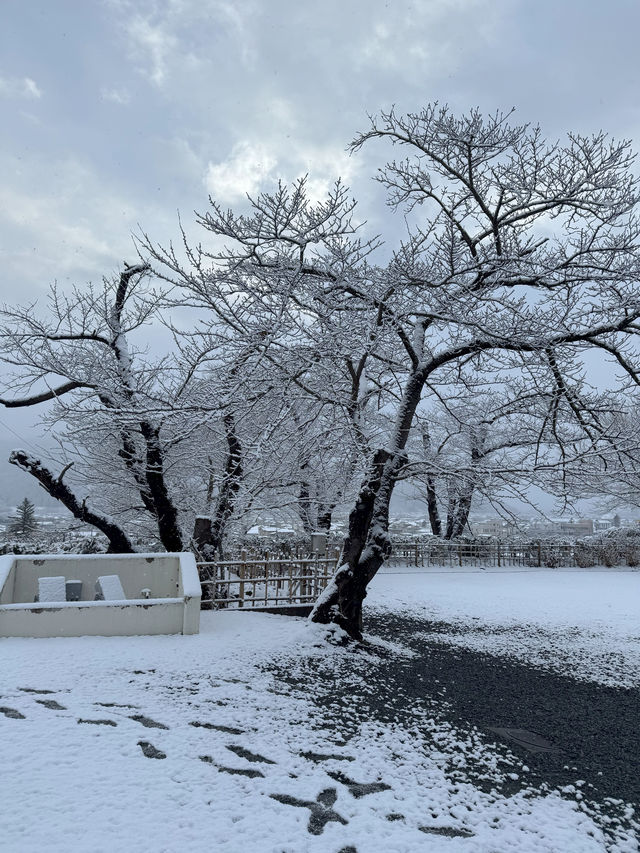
x: 575, y: 528
x: 268, y: 531
x: 497, y: 527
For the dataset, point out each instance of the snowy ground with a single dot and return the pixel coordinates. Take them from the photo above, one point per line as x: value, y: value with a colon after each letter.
x: 218, y: 742
x: 584, y: 623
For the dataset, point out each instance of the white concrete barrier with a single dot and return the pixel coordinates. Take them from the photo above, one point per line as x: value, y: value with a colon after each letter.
x: 160, y: 595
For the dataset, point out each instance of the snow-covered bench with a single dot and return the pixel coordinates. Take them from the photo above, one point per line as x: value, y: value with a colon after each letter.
x: 109, y: 588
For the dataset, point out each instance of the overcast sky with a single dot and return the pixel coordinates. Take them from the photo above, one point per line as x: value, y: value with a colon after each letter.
x: 119, y: 112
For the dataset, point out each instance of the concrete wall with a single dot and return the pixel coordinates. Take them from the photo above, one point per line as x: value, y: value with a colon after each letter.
x: 174, y: 606
x: 159, y: 573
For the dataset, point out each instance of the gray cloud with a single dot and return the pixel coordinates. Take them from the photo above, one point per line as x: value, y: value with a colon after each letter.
x: 152, y: 104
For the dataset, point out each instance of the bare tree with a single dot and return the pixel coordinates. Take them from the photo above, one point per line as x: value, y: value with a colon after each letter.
x: 262, y: 299
x: 82, y: 350
x: 480, y: 444
x: 523, y: 258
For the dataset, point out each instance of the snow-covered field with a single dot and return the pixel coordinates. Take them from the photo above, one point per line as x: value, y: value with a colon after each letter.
x: 158, y: 744
x: 580, y: 622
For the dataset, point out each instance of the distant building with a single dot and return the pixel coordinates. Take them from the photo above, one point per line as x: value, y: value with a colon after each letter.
x: 497, y: 527
x: 575, y: 528
x: 270, y: 532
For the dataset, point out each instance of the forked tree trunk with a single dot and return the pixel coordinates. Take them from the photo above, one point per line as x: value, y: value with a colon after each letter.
x: 209, y: 531
x: 128, y: 452
x: 462, y: 498
x: 460, y: 517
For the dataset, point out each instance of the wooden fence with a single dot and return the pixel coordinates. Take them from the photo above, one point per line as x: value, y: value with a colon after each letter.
x: 486, y: 554
x: 533, y: 554
x: 269, y: 581
x: 259, y: 580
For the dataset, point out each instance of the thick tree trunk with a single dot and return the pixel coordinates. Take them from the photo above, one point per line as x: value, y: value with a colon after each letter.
x: 460, y: 502
x: 342, y: 600
x: 164, y: 508
x: 304, y: 506
x: 458, y: 514
x: 432, y: 507
x: 202, y: 535
x: 119, y: 542
x: 209, y: 531
x: 367, y: 543
x: 461, y: 517
x: 128, y: 452
x: 226, y: 503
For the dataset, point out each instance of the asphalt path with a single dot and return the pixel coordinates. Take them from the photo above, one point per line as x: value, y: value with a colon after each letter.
x: 593, y: 730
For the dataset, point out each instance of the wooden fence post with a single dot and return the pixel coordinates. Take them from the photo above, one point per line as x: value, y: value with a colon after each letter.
x: 316, y: 573
x: 266, y: 579
x: 242, y: 571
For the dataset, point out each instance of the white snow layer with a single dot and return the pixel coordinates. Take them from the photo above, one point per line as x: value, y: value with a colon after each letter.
x: 582, y: 623
x: 100, y: 751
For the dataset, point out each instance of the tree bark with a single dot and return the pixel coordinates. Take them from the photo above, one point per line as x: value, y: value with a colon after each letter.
x: 325, y: 515
x: 129, y: 455
x: 432, y: 507
x: 304, y: 505
x: 119, y: 542
x: 367, y: 543
x: 164, y: 508
x: 230, y: 487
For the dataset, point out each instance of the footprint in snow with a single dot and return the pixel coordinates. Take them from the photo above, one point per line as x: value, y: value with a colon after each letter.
x: 33, y: 690
x: 227, y: 729
x: 147, y: 722
x: 319, y: 756
x: 450, y: 831
x: 51, y: 704
x: 12, y: 713
x: 321, y: 811
x: 250, y: 756
x: 358, y: 789
x: 98, y: 722
x: 149, y: 750
x: 235, y: 771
